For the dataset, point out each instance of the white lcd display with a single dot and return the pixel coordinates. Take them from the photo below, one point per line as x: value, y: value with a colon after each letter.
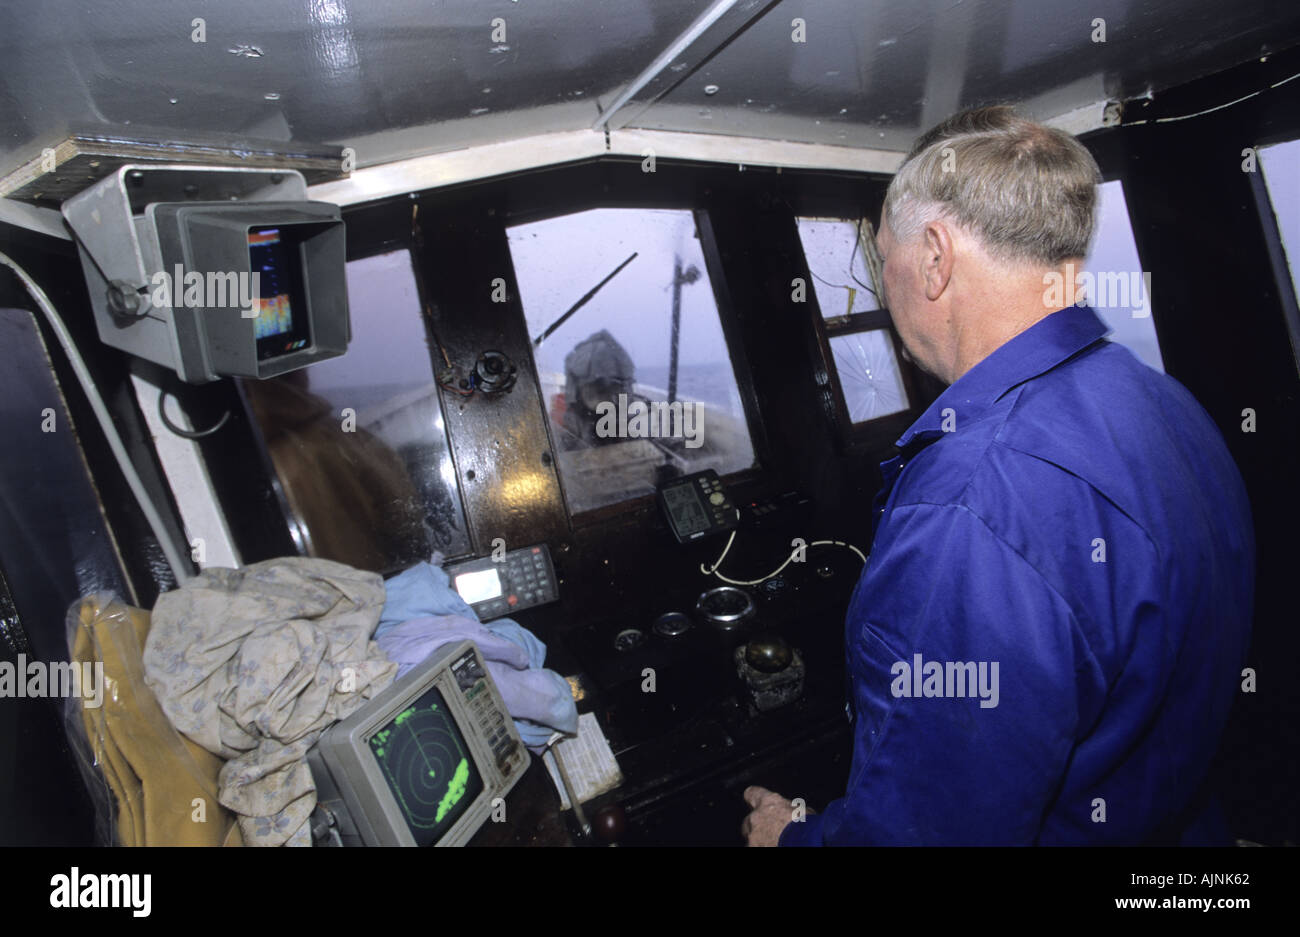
x: 479, y: 586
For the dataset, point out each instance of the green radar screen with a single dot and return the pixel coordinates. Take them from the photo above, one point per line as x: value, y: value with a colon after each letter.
x: 427, y: 766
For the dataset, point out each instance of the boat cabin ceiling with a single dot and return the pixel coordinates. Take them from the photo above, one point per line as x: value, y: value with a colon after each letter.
x: 551, y: 204
x: 394, y: 80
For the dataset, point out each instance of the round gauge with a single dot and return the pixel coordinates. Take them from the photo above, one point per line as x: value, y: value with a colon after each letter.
x: 671, y: 624
x: 725, y: 607
x: 629, y: 639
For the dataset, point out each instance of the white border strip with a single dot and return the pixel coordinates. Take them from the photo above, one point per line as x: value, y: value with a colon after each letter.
x: 434, y: 170
x: 478, y: 162
x: 752, y: 151
x: 187, y: 476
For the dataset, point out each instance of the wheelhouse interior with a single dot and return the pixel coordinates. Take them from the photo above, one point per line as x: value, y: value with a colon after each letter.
x: 674, y: 201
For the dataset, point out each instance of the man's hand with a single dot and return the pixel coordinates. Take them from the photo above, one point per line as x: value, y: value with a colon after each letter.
x: 768, y: 817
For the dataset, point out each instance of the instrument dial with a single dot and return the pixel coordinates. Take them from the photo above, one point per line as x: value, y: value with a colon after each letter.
x: 725, y: 607
x: 672, y: 624
x: 629, y: 639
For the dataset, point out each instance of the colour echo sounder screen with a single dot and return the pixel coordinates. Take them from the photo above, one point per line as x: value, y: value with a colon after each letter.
x: 279, y: 293
x: 428, y: 767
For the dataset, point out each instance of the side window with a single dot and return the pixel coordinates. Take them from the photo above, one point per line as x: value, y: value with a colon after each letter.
x: 853, y: 325
x: 1281, y: 165
x: 1281, y: 171
x: 634, y: 367
x: 1112, y: 280
x: 869, y: 376
x: 837, y: 259
x: 358, y: 442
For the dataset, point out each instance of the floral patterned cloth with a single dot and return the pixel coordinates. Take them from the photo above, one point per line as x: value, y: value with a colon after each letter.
x: 254, y: 664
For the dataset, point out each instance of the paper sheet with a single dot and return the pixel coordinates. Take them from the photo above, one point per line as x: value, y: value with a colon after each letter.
x: 588, y: 761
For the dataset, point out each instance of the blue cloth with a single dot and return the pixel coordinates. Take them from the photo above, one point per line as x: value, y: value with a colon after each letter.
x: 418, y: 592
x: 422, y: 612
x: 1116, y: 669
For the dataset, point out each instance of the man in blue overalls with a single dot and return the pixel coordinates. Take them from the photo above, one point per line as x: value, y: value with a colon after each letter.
x: 1051, y: 627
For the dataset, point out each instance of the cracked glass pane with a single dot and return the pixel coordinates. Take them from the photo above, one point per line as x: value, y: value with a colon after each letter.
x: 869, y: 375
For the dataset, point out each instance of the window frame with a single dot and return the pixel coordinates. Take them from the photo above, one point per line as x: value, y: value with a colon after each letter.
x: 881, y: 431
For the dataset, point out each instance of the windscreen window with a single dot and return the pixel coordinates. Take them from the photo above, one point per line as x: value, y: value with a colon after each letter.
x: 634, y: 367
x: 358, y: 442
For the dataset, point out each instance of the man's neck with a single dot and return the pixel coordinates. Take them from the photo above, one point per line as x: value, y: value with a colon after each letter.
x: 1002, y: 303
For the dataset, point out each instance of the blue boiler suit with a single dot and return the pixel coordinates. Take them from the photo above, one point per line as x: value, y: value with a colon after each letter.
x: 1070, y: 520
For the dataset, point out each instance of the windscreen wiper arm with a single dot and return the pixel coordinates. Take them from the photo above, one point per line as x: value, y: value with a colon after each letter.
x: 582, y: 302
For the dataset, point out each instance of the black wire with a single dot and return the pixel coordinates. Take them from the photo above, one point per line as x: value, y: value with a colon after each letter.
x: 185, y: 433
x: 845, y: 286
x: 857, y: 241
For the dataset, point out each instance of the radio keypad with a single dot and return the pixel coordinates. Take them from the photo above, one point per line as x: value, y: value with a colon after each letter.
x: 526, y: 576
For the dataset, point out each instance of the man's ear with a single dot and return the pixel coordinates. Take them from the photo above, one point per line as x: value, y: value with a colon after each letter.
x: 937, y: 259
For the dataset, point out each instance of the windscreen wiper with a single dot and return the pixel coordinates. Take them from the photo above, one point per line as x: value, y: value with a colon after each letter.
x: 582, y: 302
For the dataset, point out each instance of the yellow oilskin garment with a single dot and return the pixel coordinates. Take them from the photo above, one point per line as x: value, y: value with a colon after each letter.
x: 164, y: 786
